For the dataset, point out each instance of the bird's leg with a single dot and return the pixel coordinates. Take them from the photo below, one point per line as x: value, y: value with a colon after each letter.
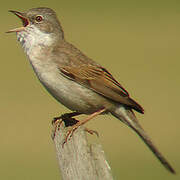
x: 80, y: 123
x: 67, y: 118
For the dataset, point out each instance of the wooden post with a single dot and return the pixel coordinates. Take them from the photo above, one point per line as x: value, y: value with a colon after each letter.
x: 79, y: 160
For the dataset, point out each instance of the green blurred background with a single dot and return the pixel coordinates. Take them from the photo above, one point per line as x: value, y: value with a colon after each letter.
x: 139, y: 42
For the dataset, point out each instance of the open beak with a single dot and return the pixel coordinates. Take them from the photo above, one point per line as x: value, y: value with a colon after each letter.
x: 24, y: 20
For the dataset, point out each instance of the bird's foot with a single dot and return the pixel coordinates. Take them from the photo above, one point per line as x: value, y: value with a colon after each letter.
x: 66, y: 118
x: 71, y: 131
x: 56, y: 126
x: 92, y: 132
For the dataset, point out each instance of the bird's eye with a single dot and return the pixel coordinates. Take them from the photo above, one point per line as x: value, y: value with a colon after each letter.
x: 39, y: 18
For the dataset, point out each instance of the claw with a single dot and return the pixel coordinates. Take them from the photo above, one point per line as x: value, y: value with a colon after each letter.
x: 55, y: 119
x: 70, y: 133
x: 92, y: 132
x: 57, y: 124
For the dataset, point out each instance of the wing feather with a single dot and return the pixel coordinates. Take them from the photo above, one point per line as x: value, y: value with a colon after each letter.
x: 101, y: 81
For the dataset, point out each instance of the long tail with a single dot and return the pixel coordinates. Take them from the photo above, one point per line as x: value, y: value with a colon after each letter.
x: 129, y: 118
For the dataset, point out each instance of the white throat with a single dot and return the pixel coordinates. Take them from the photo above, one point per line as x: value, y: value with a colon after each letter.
x: 32, y: 37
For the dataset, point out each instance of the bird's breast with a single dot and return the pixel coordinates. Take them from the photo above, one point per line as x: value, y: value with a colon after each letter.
x: 69, y: 93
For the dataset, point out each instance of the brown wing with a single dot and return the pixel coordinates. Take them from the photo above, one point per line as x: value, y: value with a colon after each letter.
x: 101, y: 81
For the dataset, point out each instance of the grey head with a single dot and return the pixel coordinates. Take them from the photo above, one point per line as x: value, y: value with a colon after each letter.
x: 42, y: 19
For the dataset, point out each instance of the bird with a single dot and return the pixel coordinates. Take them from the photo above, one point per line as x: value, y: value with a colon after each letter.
x: 72, y: 78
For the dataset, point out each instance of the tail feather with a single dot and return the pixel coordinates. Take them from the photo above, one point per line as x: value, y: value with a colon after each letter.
x: 136, y: 106
x: 129, y: 118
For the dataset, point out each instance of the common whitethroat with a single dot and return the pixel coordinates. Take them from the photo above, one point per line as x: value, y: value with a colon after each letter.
x: 72, y: 78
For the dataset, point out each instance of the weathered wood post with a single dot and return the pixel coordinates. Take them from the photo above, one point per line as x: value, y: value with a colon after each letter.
x: 79, y: 160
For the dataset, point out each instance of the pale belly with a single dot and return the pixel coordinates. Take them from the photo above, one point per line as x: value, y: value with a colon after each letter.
x: 69, y: 93
x: 73, y: 95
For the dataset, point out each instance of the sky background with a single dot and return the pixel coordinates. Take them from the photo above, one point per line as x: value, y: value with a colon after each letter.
x: 138, y: 42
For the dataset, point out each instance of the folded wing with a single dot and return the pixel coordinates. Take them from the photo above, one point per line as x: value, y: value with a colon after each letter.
x: 101, y: 81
